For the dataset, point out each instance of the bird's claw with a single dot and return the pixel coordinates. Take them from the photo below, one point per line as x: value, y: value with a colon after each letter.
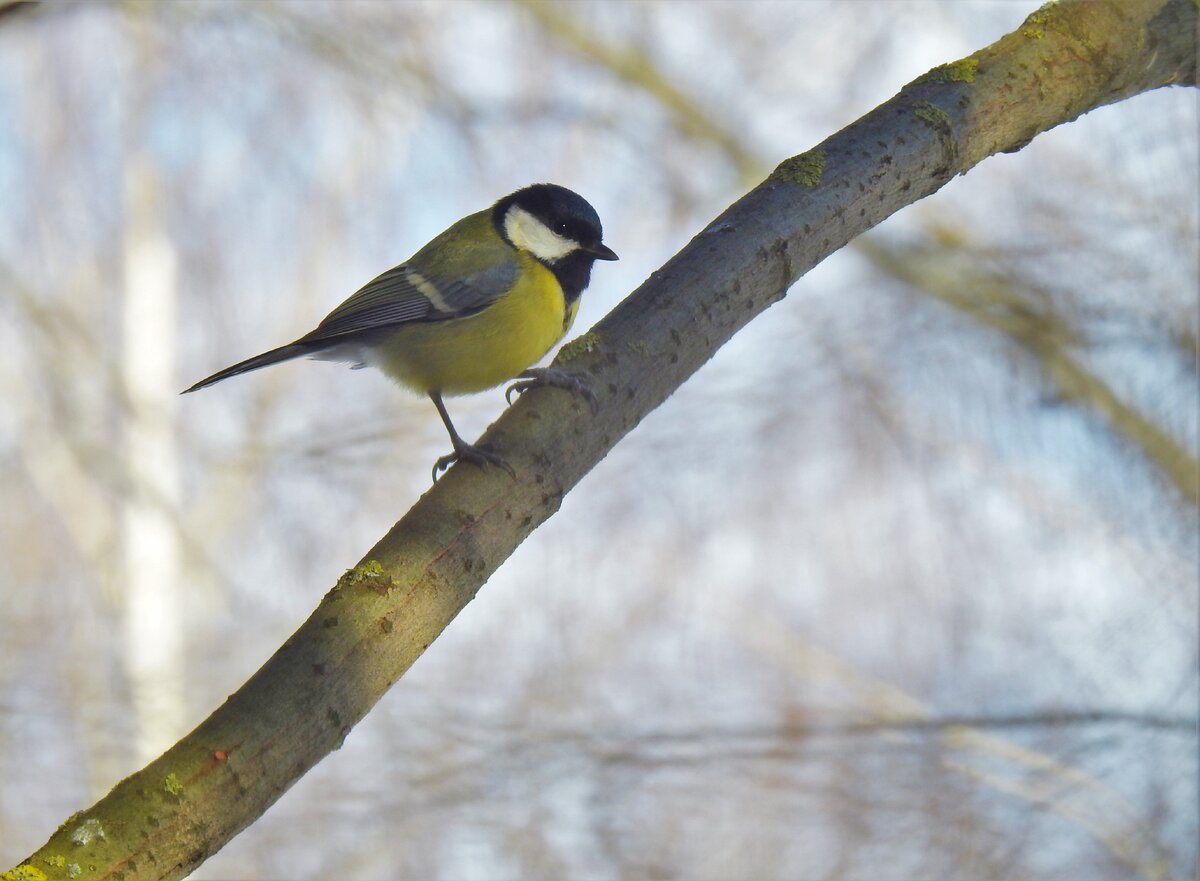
x: 476, y: 456
x: 550, y: 376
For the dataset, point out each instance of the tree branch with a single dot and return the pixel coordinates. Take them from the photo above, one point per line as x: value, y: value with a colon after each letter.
x: 12, y: 9
x: 1042, y: 335
x: 1065, y: 59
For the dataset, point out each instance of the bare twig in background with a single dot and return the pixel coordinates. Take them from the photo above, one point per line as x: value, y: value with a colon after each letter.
x: 637, y: 69
x: 1030, y: 322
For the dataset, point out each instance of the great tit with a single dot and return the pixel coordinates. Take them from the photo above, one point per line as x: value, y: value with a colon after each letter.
x: 475, y: 307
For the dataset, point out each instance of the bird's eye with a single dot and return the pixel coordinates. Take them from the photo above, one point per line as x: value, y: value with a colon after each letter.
x: 561, y: 227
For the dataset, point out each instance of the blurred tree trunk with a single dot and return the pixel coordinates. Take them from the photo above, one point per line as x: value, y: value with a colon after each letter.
x: 150, y: 552
x: 1064, y: 60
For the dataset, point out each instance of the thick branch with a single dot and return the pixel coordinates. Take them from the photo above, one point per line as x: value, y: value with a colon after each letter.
x: 165, y: 820
x: 10, y: 9
x: 1033, y: 328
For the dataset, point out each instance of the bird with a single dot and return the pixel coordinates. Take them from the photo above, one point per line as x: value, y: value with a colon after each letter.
x: 474, y: 308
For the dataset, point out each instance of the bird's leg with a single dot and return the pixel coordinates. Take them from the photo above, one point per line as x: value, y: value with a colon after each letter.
x: 551, y: 376
x: 463, y: 451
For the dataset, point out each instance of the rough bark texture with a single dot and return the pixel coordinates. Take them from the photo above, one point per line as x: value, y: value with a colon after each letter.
x: 1063, y: 61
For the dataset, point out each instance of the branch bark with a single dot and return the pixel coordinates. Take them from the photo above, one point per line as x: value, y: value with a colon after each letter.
x: 1043, y: 335
x: 1064, y: 60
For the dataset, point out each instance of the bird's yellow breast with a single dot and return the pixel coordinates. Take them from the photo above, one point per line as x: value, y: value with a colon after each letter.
x: 461, y: 355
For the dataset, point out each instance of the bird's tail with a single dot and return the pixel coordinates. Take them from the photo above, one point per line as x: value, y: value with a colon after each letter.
x: 283, y: 353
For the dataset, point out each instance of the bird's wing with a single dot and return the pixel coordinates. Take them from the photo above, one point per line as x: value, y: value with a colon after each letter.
x: 402, y: 294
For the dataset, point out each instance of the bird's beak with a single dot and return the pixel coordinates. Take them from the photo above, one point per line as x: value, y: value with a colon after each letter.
x: 600, y: 251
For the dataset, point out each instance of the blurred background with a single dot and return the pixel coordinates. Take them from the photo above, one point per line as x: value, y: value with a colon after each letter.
x: 901, y: 585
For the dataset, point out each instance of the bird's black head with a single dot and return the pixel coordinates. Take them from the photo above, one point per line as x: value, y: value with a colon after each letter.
x: 557, y: 227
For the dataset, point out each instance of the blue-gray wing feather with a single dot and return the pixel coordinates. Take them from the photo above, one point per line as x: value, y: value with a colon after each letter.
x: 392, y: 298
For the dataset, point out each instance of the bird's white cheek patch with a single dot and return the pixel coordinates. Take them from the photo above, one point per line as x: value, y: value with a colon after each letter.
x: 527, y: 232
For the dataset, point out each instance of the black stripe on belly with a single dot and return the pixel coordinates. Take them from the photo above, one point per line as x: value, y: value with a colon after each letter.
x: 573, y: 273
